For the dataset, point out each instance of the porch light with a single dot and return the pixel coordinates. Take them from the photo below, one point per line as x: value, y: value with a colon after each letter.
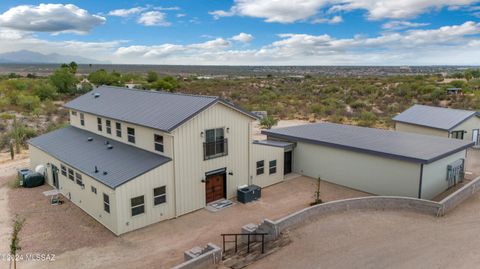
x: 201, y: 134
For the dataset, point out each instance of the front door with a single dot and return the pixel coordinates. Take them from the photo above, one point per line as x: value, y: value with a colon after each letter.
x: 287, y: 162
x: 55, y: 176
x: 476, y: 137
x: 215, y: 188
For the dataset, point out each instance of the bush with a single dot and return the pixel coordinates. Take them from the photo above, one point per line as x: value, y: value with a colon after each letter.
x: 367, y: 119
x: 268, y: 122
x: 45, y: 91
x: 64, y: 80
x: 29, y: 102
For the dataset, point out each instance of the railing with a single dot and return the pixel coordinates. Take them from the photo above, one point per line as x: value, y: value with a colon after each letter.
x: 215, y: 149
x: 248, y: 235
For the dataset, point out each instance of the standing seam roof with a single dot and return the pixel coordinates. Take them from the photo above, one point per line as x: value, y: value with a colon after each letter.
x: 396, y: 145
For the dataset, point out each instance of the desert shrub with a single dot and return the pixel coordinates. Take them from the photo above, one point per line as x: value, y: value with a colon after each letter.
x: 29, y: 102
x: 45, y: 91
x: 367, y: 119
x: 268, y: 122
x: 64, y: 80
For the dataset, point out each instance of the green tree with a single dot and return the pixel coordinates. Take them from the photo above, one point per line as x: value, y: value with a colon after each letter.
x: 45, y: 91
x: 367, y: 119
x: 152, y: 76
x: 102, y: 77
x: 268, y: 122
x: 64, y: 80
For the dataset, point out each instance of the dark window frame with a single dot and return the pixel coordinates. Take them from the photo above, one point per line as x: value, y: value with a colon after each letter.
x: 71, y: 174
x: 272, y: 167
x: 73, y: 112
x: 93, y: 189
x: 78, y: 179
x: 260, y: 167
x: 131, y: 134
x: 106, y: 203
x: 137, y: 208
x: 158, y: 143
x: 457, y: 134
x: 215, y: 145
x: 160, y: 198
x: 63, y: 170
x: 82, y: 119
x: 108, y: 126
x: 99, y: 124
x: 118, y: 128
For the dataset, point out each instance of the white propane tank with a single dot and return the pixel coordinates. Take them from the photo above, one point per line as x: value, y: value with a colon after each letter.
x: 40, y: 169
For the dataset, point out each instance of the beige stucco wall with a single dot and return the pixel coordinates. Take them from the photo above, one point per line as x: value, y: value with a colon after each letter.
x: 411, y: 128
x: 143, y: 135
x: 366, y: 172
x: 434, y: 180
x: 468, y: 126
x: 84, y: 198
x: 190, y: 168
x: 144, y: 185
x: 267, y: 154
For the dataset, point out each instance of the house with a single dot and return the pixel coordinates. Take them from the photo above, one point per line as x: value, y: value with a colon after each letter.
x: 454, y: 91
x: 375, y: 161
x: 131, y: 158
x: 439, y: 121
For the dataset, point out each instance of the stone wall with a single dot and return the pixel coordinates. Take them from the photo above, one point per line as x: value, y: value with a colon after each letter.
x: 208, y: 258
x: 454, y: 199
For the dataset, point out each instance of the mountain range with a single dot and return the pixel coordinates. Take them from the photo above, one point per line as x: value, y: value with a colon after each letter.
x: 27, y: 56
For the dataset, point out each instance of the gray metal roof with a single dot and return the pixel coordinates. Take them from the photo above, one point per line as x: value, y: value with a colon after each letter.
x: 274, y: 143
x: 434, y: 117
x: 396, y: 145
x: 159, y: 110
x: 122, y: 163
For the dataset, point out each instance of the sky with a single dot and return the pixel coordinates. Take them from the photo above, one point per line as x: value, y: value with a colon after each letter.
x: 248, y: 32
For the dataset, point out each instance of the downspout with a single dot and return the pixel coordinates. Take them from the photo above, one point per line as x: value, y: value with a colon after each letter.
x: 249, y: 181
x: 174, y: 178
x: 420, y: 182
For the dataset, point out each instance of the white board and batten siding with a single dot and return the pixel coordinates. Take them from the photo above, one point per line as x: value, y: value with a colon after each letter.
x: 468, y: 126
x: 84, y: 198
x: 365, y: 172
x: 267, y: 153
x: 190, y: 166
x: 434, y: 179
x: 417, y: 129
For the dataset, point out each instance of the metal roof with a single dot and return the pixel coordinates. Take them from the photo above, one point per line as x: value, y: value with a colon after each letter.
x: 434, y: 117
x: 122, y: 163
x: 274, y: 143
x: 396, y: 145
x: 155, y: 109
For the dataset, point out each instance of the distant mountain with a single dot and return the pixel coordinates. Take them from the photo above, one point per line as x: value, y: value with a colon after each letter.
x: 27, y: 56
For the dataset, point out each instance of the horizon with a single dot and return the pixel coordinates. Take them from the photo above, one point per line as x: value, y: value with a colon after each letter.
x: 249, y: 32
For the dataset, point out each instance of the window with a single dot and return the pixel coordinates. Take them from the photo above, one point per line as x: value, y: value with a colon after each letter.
x: 273, y: 167
x: 70, y: 173
x: 138, y: 205
x: 82, y: 119
x: 94, y: 190
x: 78, y: 179
x: 457, y: 134
x: 106, y: 203
x: 118, y: 126
x: 99, y: 124
x: 158, y: 139
x: 108, y: 125
x: 131, y: 135
x: 260, y: 167
x: 63, y: 170
x: 215, y: 144
x: 159, y: 195
x: 74, y: 113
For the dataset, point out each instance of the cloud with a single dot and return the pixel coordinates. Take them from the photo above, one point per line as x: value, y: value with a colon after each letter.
x: 181, y: 15
x: 53, y: 18
x: 242, y: 37
x: 334, y: 20
x: 400, y: 25
x: 126, y: 12
x: 153, y: 18
x: 289, y: 11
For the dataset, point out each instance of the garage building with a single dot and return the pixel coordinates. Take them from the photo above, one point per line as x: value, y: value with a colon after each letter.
x: 375, y: 161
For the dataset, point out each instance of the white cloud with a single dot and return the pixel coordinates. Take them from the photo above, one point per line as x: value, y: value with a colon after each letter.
x: 289, y: 11
x: 400, y: 25
x: 335, y: 20
x: 242, y: 37
x: 215, y: 44
x: 181, y: 15
x: 53, y: 18
x: 153, y: 18
x: 126, y: 12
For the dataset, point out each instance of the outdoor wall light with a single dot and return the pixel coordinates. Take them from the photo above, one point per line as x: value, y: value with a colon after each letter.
x: 203, y: 180
x: 230, y: 173
x: 201, y: 134
x: 228, y: 129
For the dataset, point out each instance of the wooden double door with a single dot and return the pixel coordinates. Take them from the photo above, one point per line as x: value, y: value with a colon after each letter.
x: 215, y: 187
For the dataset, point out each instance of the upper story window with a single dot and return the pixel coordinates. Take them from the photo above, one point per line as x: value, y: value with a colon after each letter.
x: 70, y: 174
x: 73, y: 112
x: 99, y: 124
x: 118, y: 127
x: 457, y: 134
x: 158, y: 139
x: 108, y: 126
x: 215, y: 144
x: 138, y: 205
x: 273, y: 167
x: 78, y: 179
x: 131, y: 134
x: 63, y: 170
x: 260, y: 167
x: 82, y: 119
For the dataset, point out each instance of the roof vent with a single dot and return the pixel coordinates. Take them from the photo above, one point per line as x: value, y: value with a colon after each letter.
x: 90, y: 139
x: 96, y: 94
x: 106, y: 142
x: 109, y: 146
x: 105, y: 173
x: 96, y: 169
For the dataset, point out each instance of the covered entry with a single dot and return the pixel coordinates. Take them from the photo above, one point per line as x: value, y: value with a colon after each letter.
x: 215, y: 185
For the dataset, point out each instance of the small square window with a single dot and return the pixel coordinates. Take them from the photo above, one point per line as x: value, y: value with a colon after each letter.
x: 158, y: 142
x: 63, y: 170
x: 94, y: 190
x: 159, y: 195
x: 70, y: 174
x: 273, y: 167
x: 260, y: 167
x: 74, y: 113
x: 138, y: 205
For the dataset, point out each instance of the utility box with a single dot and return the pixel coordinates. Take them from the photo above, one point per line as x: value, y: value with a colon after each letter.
x: 249, y: 194
x: 22, y: 174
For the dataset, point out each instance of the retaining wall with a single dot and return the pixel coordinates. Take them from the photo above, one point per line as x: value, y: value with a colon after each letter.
x: 208, y: 259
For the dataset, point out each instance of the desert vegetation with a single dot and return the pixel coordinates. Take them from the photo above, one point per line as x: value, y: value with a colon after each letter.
x: 31, y: 105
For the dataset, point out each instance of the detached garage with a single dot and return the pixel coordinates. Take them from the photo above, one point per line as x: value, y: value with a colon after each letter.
x: 376, y: 161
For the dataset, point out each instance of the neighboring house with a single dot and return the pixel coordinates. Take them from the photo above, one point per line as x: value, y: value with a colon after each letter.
x: 439, y: 121
x: 375, y: 161
x: 132, y: 158
x: 454, y: 90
